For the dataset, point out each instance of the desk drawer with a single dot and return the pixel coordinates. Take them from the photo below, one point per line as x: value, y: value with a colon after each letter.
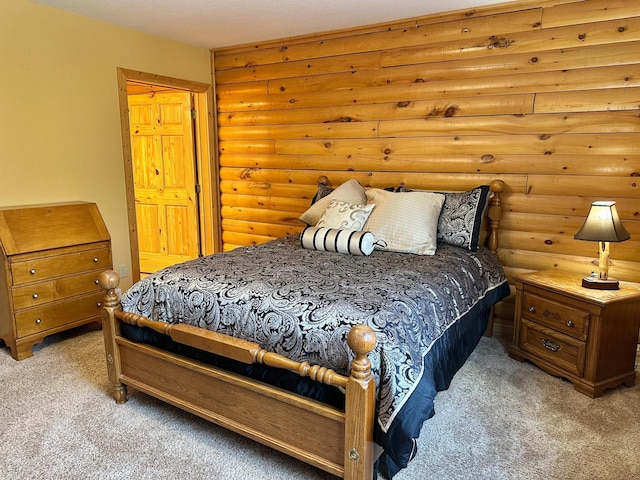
x: 43, y: 292
x: 563, y: 318
x: 56, y: 314
x: 45, y: 268
x: 560, y: 350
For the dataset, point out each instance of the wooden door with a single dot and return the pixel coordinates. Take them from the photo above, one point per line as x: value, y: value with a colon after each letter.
x: 165, y: 182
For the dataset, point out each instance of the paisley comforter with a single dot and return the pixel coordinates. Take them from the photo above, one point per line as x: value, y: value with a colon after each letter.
x: 301, y: 303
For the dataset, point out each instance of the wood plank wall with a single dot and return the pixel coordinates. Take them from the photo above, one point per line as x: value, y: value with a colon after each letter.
x: 544, y: 95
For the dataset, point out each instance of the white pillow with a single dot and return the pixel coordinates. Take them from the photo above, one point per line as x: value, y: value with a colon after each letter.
x: 351, y: 192
x: 405, y: 221
x: 344, y: 215
x: 338, y: 241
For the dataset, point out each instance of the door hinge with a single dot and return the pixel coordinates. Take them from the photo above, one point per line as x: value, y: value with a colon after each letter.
x: 194, y: 114
x: 198, y: 188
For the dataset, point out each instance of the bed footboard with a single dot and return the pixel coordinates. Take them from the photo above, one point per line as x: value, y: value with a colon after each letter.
x: 340, y: 442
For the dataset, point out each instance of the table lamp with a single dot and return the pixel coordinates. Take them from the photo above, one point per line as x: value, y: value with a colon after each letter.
x: 603, y: 226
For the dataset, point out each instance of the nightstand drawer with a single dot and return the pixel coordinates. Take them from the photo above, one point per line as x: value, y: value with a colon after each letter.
x: 44, y: 292
x: 560, y: 350
x: 563, y: 318
x: 52, y: 315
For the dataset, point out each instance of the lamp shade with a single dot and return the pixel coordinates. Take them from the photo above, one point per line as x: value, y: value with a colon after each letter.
x: 602, y: 224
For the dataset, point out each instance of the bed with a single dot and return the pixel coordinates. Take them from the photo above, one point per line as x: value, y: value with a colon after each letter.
x: 331, y: 355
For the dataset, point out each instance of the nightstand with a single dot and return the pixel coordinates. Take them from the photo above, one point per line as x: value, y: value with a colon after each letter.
x: 587, y: 336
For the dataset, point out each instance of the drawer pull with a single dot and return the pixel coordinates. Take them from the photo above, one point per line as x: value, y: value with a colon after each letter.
x: 96, y: 282
x: 549, y: 314
x: 35, y: 295
x: 38, y: 321
x: 570, y: 323
x: 95, y: 259
x: 532, y: 309
x: 99, y: 304
x: 549, y: 345
x: 32, y: 271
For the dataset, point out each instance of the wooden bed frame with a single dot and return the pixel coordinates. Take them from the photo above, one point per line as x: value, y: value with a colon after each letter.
x: 339, y: 442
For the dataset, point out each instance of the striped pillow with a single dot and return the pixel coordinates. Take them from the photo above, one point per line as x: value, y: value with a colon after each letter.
x: 461, y: 216
x: 336, y: 240
x: 405, y: 221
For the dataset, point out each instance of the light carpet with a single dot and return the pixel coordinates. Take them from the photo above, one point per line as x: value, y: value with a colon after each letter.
x: 500, y: 419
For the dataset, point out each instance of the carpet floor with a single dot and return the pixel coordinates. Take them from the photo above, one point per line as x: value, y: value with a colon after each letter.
x: 500, y: 419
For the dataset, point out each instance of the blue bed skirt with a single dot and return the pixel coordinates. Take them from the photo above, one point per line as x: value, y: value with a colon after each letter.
x: 447, y: 355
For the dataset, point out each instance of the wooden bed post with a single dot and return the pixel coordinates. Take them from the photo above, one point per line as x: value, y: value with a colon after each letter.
x: 360, y: 407
x: 495, y: 213
x: 110, y: 280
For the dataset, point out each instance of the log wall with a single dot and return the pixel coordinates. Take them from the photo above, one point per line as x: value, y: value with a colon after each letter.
x: 544, y: 95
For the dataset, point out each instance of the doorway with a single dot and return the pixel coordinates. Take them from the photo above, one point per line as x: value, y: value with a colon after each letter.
x: 167, y: 136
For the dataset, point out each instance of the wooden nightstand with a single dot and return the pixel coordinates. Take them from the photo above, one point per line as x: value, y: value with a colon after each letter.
x: 586, y: 336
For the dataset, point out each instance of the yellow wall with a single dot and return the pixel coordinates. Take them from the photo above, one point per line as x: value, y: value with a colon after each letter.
x: 60, y: 137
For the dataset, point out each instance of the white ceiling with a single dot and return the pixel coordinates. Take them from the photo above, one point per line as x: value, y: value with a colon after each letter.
x: 219, y: 23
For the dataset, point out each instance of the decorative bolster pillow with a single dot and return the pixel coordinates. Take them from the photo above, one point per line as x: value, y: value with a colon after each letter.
x: 354, y: 242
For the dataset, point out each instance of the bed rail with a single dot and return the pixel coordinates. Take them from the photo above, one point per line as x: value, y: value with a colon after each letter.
x: 361, y: 339
x: 356, y: 452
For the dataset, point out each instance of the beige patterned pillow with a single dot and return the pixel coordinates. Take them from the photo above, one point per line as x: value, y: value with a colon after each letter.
x: 344, y: 215
x: 351, y: 192
x: 405, y: 221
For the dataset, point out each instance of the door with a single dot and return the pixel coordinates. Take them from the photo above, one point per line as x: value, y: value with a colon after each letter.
x: 165, y: 178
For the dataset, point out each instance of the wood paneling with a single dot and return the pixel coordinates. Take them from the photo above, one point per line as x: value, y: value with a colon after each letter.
x: 543, y: 95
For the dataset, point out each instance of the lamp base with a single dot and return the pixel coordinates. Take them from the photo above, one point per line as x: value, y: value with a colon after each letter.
x: 596, y: 283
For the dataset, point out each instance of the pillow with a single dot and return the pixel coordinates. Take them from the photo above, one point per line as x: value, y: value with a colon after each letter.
x: 461, y: 216
x: 406, y: 221
x: 322, y: 192
x: 341, y: 214
x: 337, y: 240
x: 350, y: 192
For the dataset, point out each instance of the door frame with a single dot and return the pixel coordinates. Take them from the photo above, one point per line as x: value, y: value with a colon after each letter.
x: 206, y: 163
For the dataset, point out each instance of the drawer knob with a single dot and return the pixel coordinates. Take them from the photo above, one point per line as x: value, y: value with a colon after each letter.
x: 95, y: 259
x: 38, y: 321
x: 35, y: 295
x: 550, y: 345
x: 32, y: 271
x: 99, y: 304
x: 570, y: 323
x: 532, y: 309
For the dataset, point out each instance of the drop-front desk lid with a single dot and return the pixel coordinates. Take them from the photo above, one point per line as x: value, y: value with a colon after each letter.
x: 32, y: 228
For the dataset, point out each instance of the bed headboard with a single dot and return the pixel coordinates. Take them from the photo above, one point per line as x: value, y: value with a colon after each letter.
x: 493, y: 214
